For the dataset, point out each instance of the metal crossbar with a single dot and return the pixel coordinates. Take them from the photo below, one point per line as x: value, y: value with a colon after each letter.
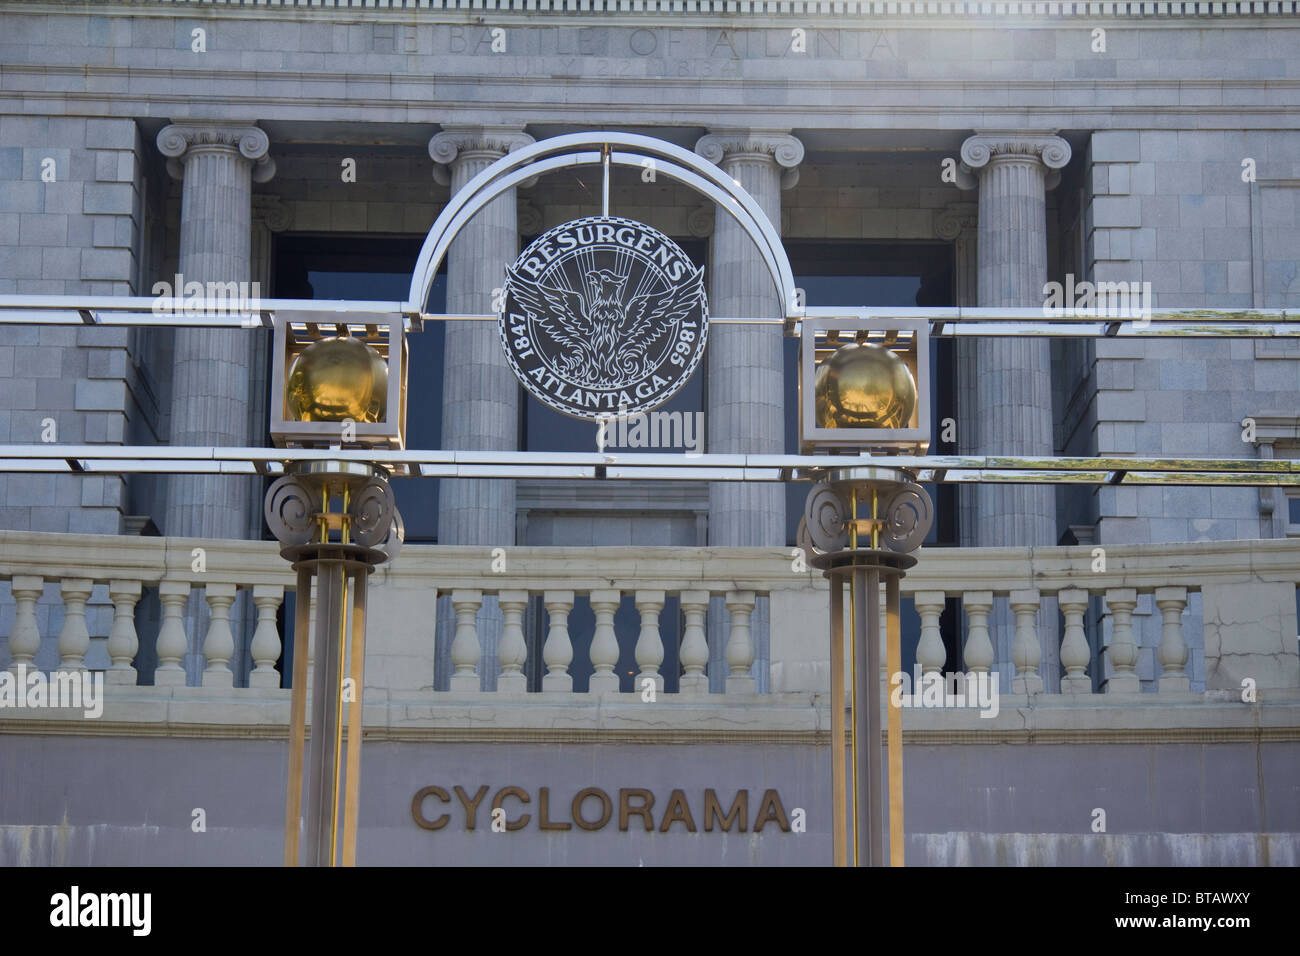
x: 944, y: 323
x: 119, y: 459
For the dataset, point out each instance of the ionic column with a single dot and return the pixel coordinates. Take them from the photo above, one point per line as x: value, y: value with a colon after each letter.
x: 480, y: 397
x: 479, y: 393
x: 1012, y: 390
x: 1013, y: 387
x: 746, y: 391
x: 218, y: 163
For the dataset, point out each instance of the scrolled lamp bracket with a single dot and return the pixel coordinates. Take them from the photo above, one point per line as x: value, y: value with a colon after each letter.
x: 291, y: 512
x: 372, y: 512
x: 908, y: 517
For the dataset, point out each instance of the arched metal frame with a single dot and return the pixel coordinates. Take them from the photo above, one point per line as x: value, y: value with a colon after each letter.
x: 574, y: 150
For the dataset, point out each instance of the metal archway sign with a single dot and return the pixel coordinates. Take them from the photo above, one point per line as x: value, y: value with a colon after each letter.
x: 576, y: 149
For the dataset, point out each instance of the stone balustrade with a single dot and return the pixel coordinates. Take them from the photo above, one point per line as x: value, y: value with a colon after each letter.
x: 60, y: 595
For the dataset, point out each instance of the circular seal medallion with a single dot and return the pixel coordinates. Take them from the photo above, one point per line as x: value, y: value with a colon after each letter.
x: 603, y: 317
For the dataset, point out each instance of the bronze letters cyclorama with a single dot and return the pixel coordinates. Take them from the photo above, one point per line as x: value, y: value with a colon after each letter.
x: 592, y: 809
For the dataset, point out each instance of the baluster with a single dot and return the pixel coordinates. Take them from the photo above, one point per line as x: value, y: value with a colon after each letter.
x: 1122, y: 652
x: 649, y: 645
x: 512, y: 652
x: 219, y: 646
x: 979, y: 649
x: 604, y: 644
x: 1074, y: 645
x: 1173, y: 648
x: 930, y: 653
x: 74, y: 639
x: 465, y: 647
x: 123, y: 643
x: 740, y: 647
x: 266, y: 638
x: 25, y: 637
x: 558, y: 652
x: 695, y: 649
x: 171, y: 636
x: 1026, y: 651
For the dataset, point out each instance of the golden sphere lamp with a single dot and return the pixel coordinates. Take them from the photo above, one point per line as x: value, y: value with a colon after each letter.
x: 337, y: 379
x: 864, y: 385
x: 339, y: 384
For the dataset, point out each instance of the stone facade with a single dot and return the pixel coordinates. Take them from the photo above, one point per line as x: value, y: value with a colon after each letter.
x: 1130, y: 142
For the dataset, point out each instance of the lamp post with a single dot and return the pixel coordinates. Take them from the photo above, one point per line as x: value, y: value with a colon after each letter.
x: 859, y: 526
x: 335, y: 521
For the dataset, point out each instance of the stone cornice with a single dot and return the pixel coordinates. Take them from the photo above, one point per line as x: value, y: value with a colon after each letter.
x: 177, y: 140
x: 812, y: 11
x: 983, y: 148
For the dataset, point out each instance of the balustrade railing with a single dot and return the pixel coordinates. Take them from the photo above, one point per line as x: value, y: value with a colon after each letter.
x: 1238, y: 596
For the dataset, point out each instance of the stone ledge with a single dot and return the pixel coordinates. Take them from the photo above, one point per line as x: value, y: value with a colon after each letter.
x: 798, y: 719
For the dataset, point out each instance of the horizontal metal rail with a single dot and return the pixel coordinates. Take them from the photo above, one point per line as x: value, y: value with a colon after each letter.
x: 944, y: 323
x: 119, y: 459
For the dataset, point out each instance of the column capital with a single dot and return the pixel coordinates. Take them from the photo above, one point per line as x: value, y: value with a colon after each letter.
x: 955, y: 219
x: 458, y: 143
x: 769, y: 144
x: 178, y: 140
x: 1044, y: 145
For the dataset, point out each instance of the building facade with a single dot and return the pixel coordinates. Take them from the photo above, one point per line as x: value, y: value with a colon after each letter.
x: 912, y: 154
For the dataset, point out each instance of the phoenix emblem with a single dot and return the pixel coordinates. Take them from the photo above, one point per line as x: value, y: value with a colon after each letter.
x: 606, y: 339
